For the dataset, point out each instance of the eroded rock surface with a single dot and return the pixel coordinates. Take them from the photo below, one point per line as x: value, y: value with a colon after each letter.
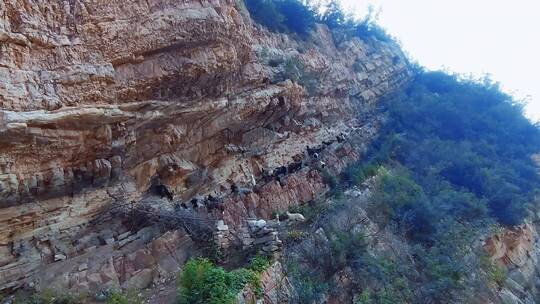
x: 517, y: 251
x: 275, y: 285
x: 184, y: 104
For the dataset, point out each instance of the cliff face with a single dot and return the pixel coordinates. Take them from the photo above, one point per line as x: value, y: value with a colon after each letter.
x: 108, y: 105
x: 517, y: 252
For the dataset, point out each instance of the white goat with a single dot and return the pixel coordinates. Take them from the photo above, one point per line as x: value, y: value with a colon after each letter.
x: 296, y: 217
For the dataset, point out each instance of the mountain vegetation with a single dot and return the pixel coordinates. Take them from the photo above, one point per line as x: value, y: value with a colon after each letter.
x: 451, y: 162
x: 295, y: 16
x: 458, y: 148
x: 202, y: 282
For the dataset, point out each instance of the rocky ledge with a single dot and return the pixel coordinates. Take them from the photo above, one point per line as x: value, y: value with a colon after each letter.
x: 178, y: 110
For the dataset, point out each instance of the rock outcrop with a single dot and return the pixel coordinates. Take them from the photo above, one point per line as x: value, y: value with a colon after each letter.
x: 106, y: 106
x: 275, y: 287
x: 262, y: 236
x: 517, y: 251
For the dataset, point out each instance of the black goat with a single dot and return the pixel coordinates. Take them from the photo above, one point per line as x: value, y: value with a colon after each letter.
x: 295, y: 167
x: 162, y: 191
x: 313, y: 151
x: 280, y: 171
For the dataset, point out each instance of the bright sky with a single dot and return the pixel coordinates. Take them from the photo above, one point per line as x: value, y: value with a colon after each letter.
x: 498, y: 37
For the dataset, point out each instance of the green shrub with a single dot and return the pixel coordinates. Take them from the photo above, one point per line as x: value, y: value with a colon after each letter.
x: 398, y: 190
x: 364, y: 298
x: 295, y: 70
x: 117, y: 298
x: 265, y: 12
x: 345, y: 247
x: 333, y: 16
x: 263, y: 53
x: 296, y: 16
x: 295, y: 235
x: 368, y: 28
x: 282, y: 15
x: 50, y: 296
x: 356, y: 174
x: 390, y: 295
x: 452, y: 159
x: 311, y: 290
x: 128, y: 297
x: 309, y: 287
x: 344, y: 27
x: 259, y: 263
x: 466, y: 136
x: 336, y: 189
x: 494, y: 272
x: 310, y: 210
x: 393, y: 277
x: 202, y: 282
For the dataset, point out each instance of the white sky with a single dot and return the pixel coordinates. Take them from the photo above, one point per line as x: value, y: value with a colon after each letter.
x: 499, y: 37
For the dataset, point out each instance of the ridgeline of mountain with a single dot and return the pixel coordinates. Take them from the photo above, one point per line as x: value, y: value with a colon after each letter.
x: 259, y: 152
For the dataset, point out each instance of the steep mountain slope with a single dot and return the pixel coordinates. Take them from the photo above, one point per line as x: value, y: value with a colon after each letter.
x: 441, y: 208
x: 128, y: 128
x: 252, y: 152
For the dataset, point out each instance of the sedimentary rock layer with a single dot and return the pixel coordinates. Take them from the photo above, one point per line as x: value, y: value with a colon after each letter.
x: 121, y: 102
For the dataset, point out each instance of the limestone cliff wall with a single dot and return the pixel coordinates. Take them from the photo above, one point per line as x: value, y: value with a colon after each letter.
x: 103, y: 102
x: 517, y: 252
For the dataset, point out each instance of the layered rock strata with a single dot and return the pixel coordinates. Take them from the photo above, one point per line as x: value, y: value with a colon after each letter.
x: 110, y: 105
x: 517, y: 252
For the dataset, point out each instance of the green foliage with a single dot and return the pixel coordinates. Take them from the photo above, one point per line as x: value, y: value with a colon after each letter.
x: 214, y: 253
x: 396, y: 196
x: 259, y: 263
x: 467, y: 137
x: 369, y: 28
x: 263, y: 53
x: 202, y: 282
x: 398, y: 190
x: 282, y: 15
x: 295, y: 235
x: 293, y: 69
x: 296, y: 71
x: 453, y: 160
x: 338, y: 245
x: 336, y: 188
x: 266, y: 13
x: 312, y: 271
x: 393, y: 284
x: 299, y: 17
x: 309, y: 210
x: 345, y: 246
x: 310, y: 289
x: 333, y: 16
x: 494, y: 272
x: 364, y: 298
x: 356, y: 174
x: 344, y: 27
x: 458, y: 153
x: 308, y: 284
x: 117, y: 298
x: 391, y: 294
x: 50, y: 296
x: 129, y: 297
x: 445, y: 273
